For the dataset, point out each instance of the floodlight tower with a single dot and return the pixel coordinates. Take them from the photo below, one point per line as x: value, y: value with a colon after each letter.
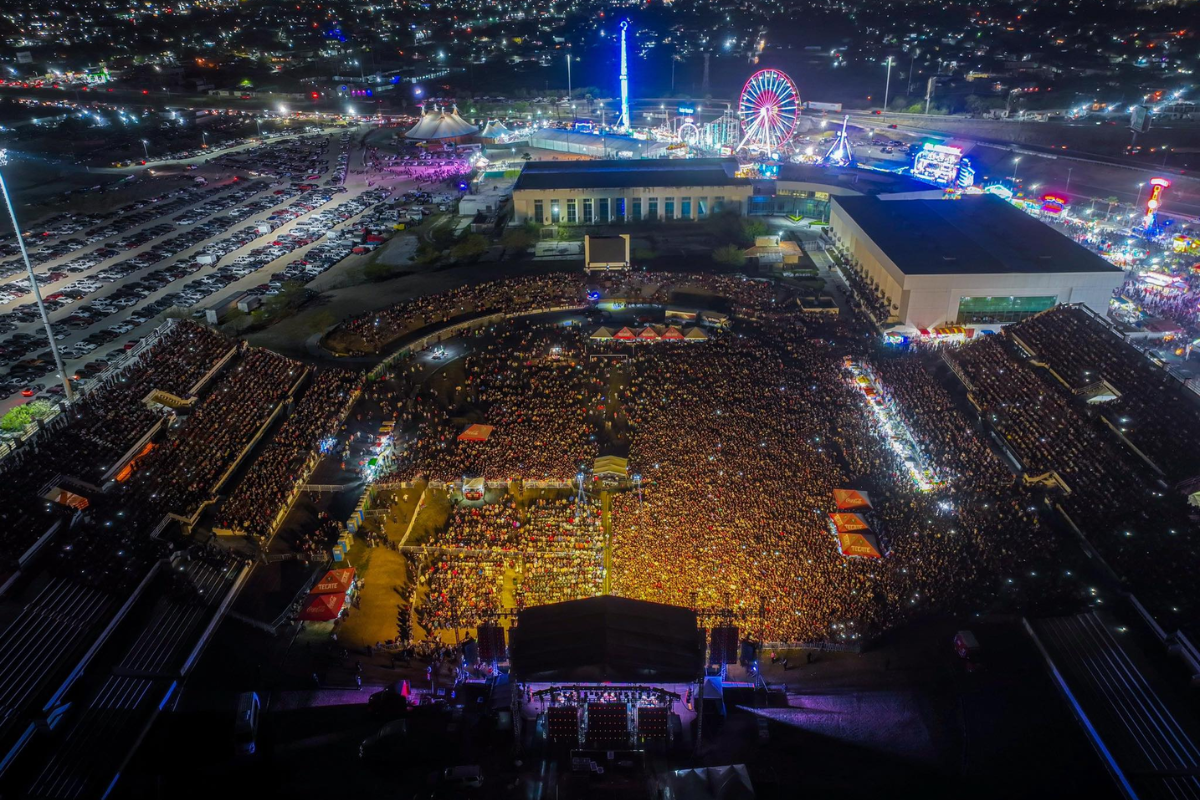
x: 68, y: 391
x: 623, y: 122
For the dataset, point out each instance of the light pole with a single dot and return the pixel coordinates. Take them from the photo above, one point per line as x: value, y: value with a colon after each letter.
x: 204, y: 138
x: 69, y: 393
x: 145, y: 149
x: 888, y: 86
x: 1068, y: 179
x: 568, y: 73
x: 911, y: 62
x: 1139, y: 200
x: 1016, y: 160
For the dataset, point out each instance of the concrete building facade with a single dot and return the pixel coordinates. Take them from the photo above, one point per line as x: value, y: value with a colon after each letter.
x: 977, y: 262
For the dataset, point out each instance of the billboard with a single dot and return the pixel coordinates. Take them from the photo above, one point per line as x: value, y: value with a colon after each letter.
x: 937, y: 163
x: 814, y: 106
x: 1139, y: 119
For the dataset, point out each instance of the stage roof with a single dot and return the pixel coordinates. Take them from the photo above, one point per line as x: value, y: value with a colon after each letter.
x: 972, y: 236
x: 606, y: 639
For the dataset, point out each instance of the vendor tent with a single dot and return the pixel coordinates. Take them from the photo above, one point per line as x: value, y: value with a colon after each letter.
x: 476, y: 433
x: 849, y: 523
x: 648, y: 334
x: 850, y: 499
x: 336, y: 581
x: 673, y: 333
x: 695, y: 335
x: 602, y: 333
x: 322, y: 607
x: 494, y: 129
x: 625, y: 335
x: 863, y: 544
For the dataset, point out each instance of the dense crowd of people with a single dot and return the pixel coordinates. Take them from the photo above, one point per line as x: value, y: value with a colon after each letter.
x: 102, y: 426
x: 729, y: 519
x: 265, y: 488
x: 181, y: 473
x: 1140, y: 530
x: 532, y: 385
x: 744, y: 441
x: 370, y: 332
x: 550, y: 548
x: 1152, y: 410
x: 1180, y: 304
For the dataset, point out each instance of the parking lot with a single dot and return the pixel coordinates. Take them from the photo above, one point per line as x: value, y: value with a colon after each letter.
x: 284, y: 217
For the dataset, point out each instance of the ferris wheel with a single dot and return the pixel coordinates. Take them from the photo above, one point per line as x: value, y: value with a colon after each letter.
x: 689, y: 134
x: 768, y: 108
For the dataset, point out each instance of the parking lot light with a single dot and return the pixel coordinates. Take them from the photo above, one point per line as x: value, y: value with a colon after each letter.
x: 68, y: 392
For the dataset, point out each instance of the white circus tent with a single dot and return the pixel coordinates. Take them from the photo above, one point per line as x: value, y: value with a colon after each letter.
x: 441, y: 125
x: 495, y: 129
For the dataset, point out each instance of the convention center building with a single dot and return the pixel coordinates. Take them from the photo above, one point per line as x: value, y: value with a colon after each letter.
x: 599, y: 192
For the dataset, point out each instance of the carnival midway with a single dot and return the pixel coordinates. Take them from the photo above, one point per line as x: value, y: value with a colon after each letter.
x: 768, y: 126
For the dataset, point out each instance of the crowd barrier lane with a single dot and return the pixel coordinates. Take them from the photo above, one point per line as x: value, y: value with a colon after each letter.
x: 262, y: 430
x: 120, y: 463
x: 413, y: 520
x: 310, y: 465
x: 199, y: 385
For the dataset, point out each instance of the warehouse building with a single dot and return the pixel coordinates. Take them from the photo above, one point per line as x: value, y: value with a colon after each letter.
x: 975, y: 263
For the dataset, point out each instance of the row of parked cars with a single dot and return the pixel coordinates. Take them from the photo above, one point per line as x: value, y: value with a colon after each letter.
x: 306, y: 198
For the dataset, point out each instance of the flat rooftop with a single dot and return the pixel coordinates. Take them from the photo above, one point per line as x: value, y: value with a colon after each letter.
x: 628, y: 174
x: 974, y: 236
x: 863, y: 181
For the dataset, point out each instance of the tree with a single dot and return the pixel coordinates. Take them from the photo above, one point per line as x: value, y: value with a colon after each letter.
x: 752, y: 229
x: 471, y: 247
x: 442, y: 236
x: 521, y: 238
x: 377, y: 270
x: 21, y: 417
x: 730, y: 255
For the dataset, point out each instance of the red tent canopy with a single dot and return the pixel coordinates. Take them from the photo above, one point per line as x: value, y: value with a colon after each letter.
x: 624, y: 333
x: 864, y: 545
x: 648, y: 333
x: 322, y: 607
x: 850, y: 523
x: 673, y: 333
x: 849, y: 499
x: 336, y: 581
x: 476, y: 433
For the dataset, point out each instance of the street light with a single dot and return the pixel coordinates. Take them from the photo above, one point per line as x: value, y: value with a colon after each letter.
x: 1139, y: 200
x: 1016, y: 161
x: 69, y: 393
x: 145, y: 149
x: 1068, y: 179
x: 887, y: 88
